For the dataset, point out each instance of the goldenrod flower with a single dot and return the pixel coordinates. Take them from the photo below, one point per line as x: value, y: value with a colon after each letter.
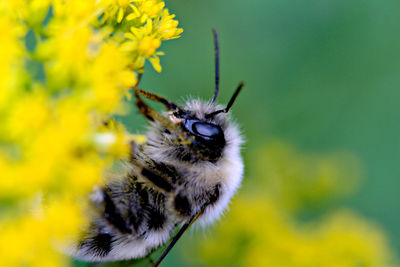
x: 148, y: 46
x: 144, y: 10
x: 167, y: 26
x: 143, y: 43
x: 55, y: 95
x: 153, y: 24
x: 296, y: 180
x: 116, y: 10
x: 260, y: 230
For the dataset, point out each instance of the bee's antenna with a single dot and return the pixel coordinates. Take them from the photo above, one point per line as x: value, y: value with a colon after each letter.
x: 216, y: 54
x: 230, y: 103
x: 233, y: 98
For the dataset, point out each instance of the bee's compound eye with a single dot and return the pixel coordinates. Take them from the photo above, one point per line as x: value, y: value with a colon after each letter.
x: 209, y: 138
x: 206, y: 130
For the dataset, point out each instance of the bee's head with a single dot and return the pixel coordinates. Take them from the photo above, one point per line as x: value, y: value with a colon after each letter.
x: 201, y: 128
x: 204, y: 126
x: 198, y: 131
x: 203, y: 138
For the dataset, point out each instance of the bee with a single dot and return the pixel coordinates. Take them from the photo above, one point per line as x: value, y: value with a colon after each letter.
x: 188, y: 170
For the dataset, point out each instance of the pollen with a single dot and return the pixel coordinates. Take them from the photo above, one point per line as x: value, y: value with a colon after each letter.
x: 174, y: 119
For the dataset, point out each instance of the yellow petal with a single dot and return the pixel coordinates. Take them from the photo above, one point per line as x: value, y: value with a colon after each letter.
x: 155, y: 62
x: 129, y: 36
x: 120, y: 15
x: 131, y: 16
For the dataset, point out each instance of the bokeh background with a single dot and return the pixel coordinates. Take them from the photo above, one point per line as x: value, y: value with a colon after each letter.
x: 320, y: 112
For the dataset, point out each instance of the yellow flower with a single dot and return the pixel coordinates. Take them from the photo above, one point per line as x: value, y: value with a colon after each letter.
x: 116, y: 10
x: 157, y: 25
x: 259, y: 231
x: 148, y: 46
x: 54, y: 146
x: 155, y: 62
x: 296, y: 180
x: 11, y: 53
x: 167, y: 27
x: 145, y: 10
x: 256, y: 232
x: 110, y: 81
x: 24, y: 240
x: 143, y: 42
x: 20, y: 120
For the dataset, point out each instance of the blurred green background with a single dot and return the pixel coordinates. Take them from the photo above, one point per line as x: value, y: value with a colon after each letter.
x: 320, y: 75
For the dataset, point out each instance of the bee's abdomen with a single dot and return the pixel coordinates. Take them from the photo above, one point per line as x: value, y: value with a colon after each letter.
x: 135, y: 217
x: 98, y: 245
x: 113, y: 214
x: 131, y: 212
x: 156, y: 219
x: 142, y: 208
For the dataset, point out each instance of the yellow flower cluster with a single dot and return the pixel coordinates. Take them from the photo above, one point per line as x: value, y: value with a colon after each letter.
x: 259, y: 230
x: 296, y: 180
x: 257, y: 233
x: 65, y: 67
x: 149, y: 24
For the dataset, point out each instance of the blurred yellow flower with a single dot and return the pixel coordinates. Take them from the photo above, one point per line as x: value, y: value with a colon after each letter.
x: 256, y: 233
x: 260, y: 231
x: 144, y: 10
x: 57, y: 220
x: 296, y: 180
x: 116, y: 10
x: 64, y: 71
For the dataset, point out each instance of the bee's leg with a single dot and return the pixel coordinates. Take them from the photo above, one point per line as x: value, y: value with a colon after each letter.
x: 144, y: 109
x: 187, y: 224
x: 153, y: 115
x: 183, y: 229
x: 150, y: 113
x: 157, y: 98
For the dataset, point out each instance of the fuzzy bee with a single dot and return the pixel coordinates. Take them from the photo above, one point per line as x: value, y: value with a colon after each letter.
x: 187, y: 170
